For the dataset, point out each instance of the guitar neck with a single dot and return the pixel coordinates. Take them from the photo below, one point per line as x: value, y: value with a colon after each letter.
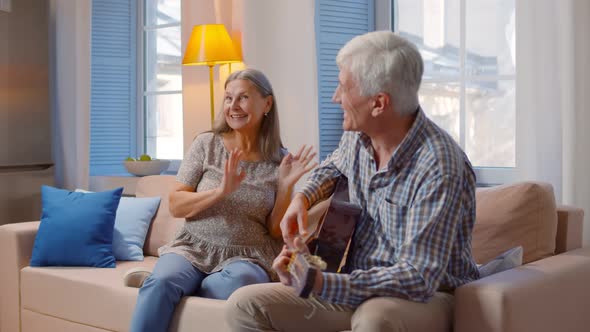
x: 304, y: 269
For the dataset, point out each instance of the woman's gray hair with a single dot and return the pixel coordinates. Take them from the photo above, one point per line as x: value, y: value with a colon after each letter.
x: 270, y: 144
x: 382, y: 61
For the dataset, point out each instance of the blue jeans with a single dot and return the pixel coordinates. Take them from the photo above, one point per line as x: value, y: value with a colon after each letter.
x: 174, y: 277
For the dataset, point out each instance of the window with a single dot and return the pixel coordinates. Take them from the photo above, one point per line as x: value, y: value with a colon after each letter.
x: 162, y: 79
x: 468, y: 86
x: 136, y: 92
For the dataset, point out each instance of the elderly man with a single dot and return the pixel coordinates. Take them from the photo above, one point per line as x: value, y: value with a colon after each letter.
x: 416, y: 187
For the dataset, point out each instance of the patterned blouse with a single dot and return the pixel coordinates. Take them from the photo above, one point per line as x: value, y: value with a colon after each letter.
x: 235, y: 227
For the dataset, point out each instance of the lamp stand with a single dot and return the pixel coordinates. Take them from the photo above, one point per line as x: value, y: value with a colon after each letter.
x: 211, y: 94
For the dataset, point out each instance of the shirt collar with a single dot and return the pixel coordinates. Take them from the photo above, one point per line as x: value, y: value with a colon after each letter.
x: 408, y: 145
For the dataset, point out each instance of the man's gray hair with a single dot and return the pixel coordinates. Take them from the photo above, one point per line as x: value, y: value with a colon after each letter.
x: 382, y: 61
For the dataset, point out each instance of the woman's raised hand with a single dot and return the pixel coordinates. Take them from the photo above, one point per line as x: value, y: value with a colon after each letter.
x: 293, y: 167
x: 232, y: 176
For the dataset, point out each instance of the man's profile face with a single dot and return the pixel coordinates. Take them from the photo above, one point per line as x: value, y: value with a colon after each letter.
x: 357, y: 108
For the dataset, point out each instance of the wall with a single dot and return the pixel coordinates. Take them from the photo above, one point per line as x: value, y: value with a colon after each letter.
x: 24, y: 109
x: 278, y: 38
x: 24, y: 84
x: 195, y: 79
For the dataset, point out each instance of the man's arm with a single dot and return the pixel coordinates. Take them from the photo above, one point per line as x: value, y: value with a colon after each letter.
x: 431, y: 227
x: 318, y: 186
x: 322, y: 180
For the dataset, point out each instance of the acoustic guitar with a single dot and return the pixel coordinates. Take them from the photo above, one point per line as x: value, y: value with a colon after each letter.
x: 328, y: 243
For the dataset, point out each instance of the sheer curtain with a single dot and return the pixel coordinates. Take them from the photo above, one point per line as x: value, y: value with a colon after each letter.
x: 553, y: 107
x: 70, y: 26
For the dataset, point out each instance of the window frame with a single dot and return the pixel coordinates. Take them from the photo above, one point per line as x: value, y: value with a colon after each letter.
x: 142, y: 93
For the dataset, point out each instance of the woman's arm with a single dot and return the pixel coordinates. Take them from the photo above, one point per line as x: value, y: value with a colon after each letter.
x: 291, y: 170
x: 186, y: 203
x: 281, y: 203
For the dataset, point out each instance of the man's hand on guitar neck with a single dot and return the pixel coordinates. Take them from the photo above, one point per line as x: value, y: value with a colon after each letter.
x: 294, y: 222
x: 281, y: 265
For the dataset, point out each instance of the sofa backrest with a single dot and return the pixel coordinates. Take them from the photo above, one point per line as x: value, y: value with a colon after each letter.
x: 163, y: 226
x: 519, y: 214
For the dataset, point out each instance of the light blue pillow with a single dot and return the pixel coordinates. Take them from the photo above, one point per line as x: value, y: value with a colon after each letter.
x: 76, y: 229
x: 507, y: 260
x: 134, y: 217
x: 132, y: 223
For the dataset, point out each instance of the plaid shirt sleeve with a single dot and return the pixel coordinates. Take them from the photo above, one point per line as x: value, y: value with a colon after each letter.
x: 431, y: 225
x: 320, y: 184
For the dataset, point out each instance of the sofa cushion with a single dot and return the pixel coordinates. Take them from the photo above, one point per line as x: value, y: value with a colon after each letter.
x: 98, y: 298
x: 164, y: 226
x: 76, y: 228
x: 521, y: 214
x: 134, y: 216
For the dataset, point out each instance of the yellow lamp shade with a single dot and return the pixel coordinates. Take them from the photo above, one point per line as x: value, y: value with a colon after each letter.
x: 210, y: 44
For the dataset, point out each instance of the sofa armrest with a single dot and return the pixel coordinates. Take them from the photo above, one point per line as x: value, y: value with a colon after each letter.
x: 551, y: 294
x: 570, y: 221
x: 16, y: 246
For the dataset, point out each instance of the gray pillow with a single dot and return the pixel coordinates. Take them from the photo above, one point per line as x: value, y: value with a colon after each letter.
x: 506, y: 261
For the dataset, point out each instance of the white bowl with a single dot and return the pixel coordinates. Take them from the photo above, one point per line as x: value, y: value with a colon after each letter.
x: 143, y: 168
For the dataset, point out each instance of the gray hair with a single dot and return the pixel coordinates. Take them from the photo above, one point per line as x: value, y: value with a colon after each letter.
x: 270, y: 144
x: 382, y: 61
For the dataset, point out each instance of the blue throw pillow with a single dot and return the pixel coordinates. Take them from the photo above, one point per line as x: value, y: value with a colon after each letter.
x: 134, y: 217
x: 132, y: 223
x: 76, y: 229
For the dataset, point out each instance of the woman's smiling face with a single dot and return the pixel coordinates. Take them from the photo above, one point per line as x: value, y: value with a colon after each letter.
x: 243, y: 106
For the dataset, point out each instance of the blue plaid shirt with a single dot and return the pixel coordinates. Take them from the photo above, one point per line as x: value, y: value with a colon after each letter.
x: 414, y: 234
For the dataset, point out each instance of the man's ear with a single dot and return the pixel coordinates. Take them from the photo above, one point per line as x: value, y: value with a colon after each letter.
x: 381, y: 102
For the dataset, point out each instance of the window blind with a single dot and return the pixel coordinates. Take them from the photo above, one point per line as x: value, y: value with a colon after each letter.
x: 337, y: 21
x: 113, y: 109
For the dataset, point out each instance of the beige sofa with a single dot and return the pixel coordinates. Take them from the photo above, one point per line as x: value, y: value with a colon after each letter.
x: 549, y: 293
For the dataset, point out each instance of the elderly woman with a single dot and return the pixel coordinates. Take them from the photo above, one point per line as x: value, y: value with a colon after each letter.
x: 234, y: 186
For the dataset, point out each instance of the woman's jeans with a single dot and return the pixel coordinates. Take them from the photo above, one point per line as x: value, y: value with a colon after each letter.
x: 174, y: 277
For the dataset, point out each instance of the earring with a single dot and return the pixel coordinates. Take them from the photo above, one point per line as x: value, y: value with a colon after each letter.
x: 266, y: 114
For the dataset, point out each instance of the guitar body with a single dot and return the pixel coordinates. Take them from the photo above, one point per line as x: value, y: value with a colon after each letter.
x: 336, y: 228
x: 328, y: 244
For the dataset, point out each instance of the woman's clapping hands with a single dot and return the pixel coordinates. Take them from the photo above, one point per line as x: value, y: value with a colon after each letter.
x: 293, y: 167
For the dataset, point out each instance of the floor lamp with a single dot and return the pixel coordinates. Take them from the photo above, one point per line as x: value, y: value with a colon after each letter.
x: 210, y: 45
